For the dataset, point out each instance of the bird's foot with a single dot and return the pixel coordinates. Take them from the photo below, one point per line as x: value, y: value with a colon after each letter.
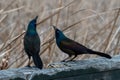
x: 66, y: 60
x: 34, y: 67
x: 73, y: 60
x: 70, y: 60
x: 28, y: 66
x: 63, y: 61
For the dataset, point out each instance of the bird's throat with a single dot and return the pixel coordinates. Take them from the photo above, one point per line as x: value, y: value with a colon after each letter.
x: 31, y: 32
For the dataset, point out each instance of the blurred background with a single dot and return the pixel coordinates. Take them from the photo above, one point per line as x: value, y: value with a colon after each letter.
x: 93, y: 23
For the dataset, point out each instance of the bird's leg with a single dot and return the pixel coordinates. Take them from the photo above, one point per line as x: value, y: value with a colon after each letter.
x: 73, y: 58
x: 29, y: 62
x: 66, y: 58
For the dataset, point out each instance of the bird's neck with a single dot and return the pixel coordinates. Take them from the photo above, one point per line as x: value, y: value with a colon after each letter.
x: 59, y: 39
x: 31, y: 31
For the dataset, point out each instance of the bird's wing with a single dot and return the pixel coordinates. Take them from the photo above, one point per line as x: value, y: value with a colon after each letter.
x: 27, y: 44
x: 72, y: 45
x: 32, y: 44
x: 36, y: 44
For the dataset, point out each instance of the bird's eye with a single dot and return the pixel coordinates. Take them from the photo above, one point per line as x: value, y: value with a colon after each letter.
x: 57, y: 31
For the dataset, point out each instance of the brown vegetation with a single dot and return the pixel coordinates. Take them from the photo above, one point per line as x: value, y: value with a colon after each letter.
x: 93, y: 23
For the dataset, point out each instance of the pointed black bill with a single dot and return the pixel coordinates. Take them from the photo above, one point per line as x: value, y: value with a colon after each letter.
x: 54, y: 27
x: 36, y: 17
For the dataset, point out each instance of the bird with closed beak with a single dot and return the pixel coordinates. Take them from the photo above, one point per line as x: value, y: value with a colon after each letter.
x: 32, y: 43
x: 73, y: 48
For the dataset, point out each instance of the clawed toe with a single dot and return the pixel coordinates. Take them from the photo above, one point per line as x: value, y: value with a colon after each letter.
x: 28, y: 66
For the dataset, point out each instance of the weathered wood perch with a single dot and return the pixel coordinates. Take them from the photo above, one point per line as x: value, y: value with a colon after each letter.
x: 91, y: 69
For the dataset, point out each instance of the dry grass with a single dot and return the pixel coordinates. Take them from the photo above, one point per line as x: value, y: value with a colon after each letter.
x: 94, y: 23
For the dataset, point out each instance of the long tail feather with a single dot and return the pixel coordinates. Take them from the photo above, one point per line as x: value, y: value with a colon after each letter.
x: 37, y: 61
x: 99, y: 53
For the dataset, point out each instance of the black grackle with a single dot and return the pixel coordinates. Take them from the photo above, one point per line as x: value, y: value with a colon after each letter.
x: 73, y: 48
x: 32, y: 43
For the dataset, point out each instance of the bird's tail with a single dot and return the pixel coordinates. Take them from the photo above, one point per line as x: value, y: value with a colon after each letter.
x: 99, y: 53
x: 37, y: 61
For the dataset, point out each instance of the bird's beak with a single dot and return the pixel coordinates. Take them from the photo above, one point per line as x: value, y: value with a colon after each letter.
x: 54, y: 27
x: 36, y: 17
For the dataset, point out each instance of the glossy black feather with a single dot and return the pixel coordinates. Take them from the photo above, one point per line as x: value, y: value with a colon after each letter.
x: 32, y: 43
x: 71, y: 47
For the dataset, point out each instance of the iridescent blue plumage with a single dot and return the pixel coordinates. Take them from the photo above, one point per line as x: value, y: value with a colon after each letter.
x: 31, y: 29
x: 32, y: 43
x: 71, y: 47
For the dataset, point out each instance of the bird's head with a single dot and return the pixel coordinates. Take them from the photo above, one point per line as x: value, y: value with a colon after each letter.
x: 31, y: 30
x: 58, y: 33
x: 32, y: 23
